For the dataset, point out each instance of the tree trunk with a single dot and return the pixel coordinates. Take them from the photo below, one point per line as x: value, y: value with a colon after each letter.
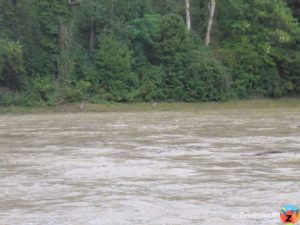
x: 210, y: 21
x: 93, y: 27
x: 188, y: 14
x: 92, y: 37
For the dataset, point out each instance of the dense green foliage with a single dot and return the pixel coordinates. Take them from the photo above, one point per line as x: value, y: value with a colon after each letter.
x: 52, y: 52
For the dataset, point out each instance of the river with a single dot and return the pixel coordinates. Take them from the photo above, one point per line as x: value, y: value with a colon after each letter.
x: 221, y: 167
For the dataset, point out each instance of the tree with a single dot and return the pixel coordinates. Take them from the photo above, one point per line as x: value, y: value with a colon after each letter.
x: 11, y: 64
x: 188, y: 14
x: 171, y: 50
x: 116, y: 82
x: 67, y: 51
x: 261, y: 47
x: 212, y: 7
x: 295, y: 6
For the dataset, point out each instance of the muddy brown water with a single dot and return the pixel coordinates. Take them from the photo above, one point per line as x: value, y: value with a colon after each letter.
x: 213, y: 167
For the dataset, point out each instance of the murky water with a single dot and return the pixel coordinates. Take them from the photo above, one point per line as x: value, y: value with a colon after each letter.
x: 149, y: 168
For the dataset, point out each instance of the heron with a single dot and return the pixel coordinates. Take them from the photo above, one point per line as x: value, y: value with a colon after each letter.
x: 82, y: 106
x: 154, y: 104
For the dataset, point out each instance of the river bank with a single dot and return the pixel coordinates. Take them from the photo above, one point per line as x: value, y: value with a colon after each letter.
x: 160, y: 106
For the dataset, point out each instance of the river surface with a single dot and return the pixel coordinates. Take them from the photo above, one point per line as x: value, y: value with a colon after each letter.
x: 213, y: 167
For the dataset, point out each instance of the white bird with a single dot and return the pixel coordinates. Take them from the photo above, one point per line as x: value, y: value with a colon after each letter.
x: 82, y: 106
x: 154, y: 104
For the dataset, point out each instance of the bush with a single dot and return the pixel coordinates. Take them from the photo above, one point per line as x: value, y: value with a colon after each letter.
x: 11, y: 64
x: 207, y: 79
x: 77, y: 92
x: 114, y: 61
x: 151, y: 83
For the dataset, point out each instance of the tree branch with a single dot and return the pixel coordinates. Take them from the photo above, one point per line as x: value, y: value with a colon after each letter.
x: 74, y: 2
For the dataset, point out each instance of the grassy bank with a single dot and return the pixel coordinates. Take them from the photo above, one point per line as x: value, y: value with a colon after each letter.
x: 163, y: 106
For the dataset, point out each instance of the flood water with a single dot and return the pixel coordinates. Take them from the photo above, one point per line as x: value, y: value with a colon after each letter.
x: 213, y: 167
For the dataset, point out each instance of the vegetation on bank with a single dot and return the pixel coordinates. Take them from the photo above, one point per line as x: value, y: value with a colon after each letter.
x: 261, y: 104
x: 65, y: 51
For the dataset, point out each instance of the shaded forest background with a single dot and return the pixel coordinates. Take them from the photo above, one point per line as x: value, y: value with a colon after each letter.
x: 59, y: 51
